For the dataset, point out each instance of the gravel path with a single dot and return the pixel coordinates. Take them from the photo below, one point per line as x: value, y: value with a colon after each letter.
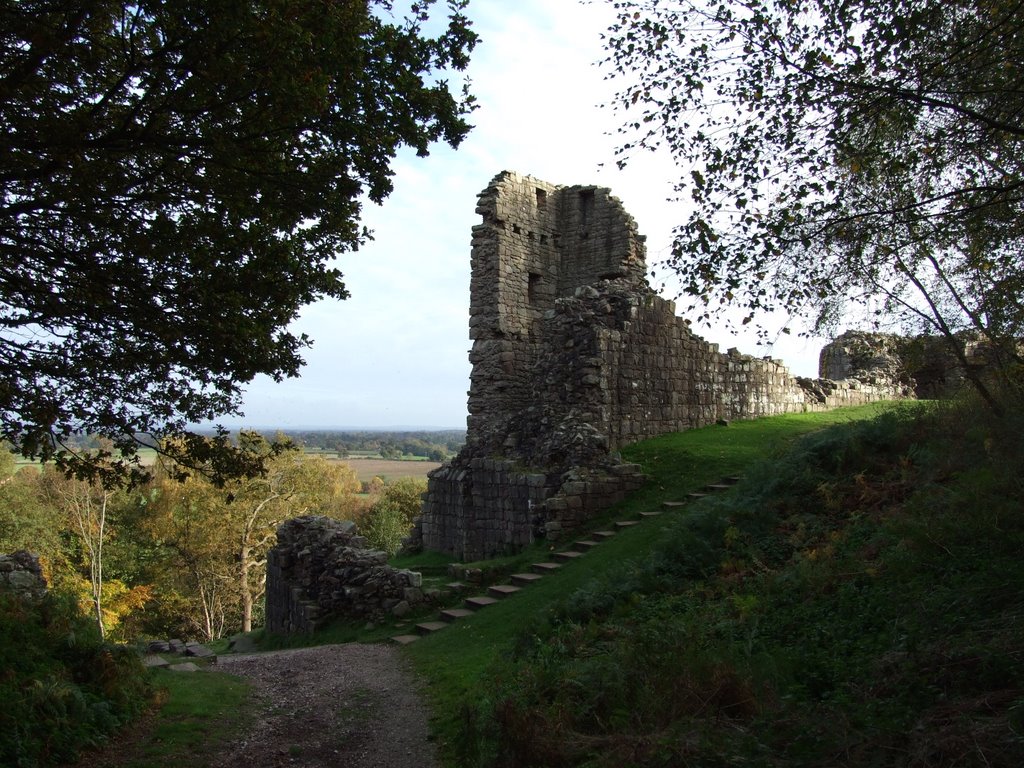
x: 334, y: 705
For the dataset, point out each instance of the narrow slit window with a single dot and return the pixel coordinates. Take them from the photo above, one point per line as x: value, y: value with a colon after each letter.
x: 586, y: 206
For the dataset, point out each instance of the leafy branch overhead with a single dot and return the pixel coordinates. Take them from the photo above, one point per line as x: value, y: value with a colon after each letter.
x: 862, y: 154
x: 176, y: 180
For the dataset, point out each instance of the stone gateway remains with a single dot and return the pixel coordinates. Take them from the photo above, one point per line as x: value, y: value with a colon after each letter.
x: 321, y: 568
x: 574, y: 356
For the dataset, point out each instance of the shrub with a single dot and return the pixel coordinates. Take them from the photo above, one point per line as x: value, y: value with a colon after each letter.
x: 391, y: 517
x: 62, y: 687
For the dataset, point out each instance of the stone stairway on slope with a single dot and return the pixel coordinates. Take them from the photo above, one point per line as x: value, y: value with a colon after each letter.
x: 538, y: 571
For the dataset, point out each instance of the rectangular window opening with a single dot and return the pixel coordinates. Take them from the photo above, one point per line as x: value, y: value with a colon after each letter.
x: 533, y: 288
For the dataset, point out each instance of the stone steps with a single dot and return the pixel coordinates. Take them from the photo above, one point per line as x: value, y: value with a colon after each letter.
x: 454, y: 614
x: 517, y: 581
x: 722, y: 485
x: 481, y: 601
x: 502, y: 591
x: 567, y: 556
x: 429, y: 627
x: 543, y: 568
x: 524, y: 579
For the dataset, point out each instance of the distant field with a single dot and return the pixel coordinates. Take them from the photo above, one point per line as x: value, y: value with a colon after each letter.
x: 389, y: 469
x: 366, y: 469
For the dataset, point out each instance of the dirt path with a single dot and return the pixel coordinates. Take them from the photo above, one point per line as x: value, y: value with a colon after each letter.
x: 334, y: 705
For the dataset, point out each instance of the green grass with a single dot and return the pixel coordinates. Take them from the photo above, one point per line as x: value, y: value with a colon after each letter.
x: 746, y: 613
x: 454, y: 662
x: 854, y: 602
x: 199, y: 713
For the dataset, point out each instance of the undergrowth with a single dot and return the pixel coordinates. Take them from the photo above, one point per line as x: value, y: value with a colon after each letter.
x: 855, y: 602
x: 61, y: 687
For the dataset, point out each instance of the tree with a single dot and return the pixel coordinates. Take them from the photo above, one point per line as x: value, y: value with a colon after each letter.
x: 176, y: 179
x: 84, y: 506
x: 26, y: 520
x: 859, y: 154
x: 390, y: 518
x: 293, y: 485
x: 219, y: 537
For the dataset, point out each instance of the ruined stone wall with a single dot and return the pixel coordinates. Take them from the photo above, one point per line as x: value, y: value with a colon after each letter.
x: 519, y: 272
x: 321, y: 568
x: 928, y: 365
x: 21, y: 574
x: 574, y: 356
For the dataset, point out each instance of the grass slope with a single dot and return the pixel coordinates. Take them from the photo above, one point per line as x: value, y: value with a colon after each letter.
x: 855, y: 602
x: 461, y: 664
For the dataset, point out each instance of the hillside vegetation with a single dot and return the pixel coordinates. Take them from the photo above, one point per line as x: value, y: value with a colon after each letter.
x: 855, y: 601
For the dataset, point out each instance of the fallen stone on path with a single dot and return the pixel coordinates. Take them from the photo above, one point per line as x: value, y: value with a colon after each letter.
x: 242, y: 643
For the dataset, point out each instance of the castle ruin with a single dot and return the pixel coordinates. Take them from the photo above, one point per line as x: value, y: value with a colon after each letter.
x: 575, y: 356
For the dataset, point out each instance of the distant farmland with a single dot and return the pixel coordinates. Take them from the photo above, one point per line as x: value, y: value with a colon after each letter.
x: 389, y: 469
x: 366, y: 468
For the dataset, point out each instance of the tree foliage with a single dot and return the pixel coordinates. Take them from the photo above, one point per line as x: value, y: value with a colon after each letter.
x: 861, y: 153
x: 215, y: 539
x: 391, y: 517
x: 176, y: 179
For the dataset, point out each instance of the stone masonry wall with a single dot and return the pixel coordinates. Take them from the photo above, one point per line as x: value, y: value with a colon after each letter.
x: 320, y: 568
x: 21, y: 574
x: 574, y: 356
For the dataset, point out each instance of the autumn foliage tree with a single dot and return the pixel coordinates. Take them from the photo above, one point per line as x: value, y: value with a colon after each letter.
x: 860, y: 155
x: 215, y: 538
x: 176, y: 180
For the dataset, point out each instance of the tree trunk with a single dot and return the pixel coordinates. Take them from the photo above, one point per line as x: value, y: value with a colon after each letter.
x: 245, y: 588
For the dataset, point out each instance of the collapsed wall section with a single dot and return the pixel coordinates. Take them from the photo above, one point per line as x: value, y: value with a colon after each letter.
x: 321, y: 568
x: 574, y: 356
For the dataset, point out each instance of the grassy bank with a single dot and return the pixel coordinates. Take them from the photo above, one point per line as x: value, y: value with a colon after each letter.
x: 855, y: 602
x: 463, y: 666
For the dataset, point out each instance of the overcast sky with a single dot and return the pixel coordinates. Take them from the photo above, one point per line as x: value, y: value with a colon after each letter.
x: 395, y: 353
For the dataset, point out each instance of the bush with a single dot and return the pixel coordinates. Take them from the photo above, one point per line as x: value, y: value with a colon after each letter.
x: 391, y: 517
x: 62, y: 687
